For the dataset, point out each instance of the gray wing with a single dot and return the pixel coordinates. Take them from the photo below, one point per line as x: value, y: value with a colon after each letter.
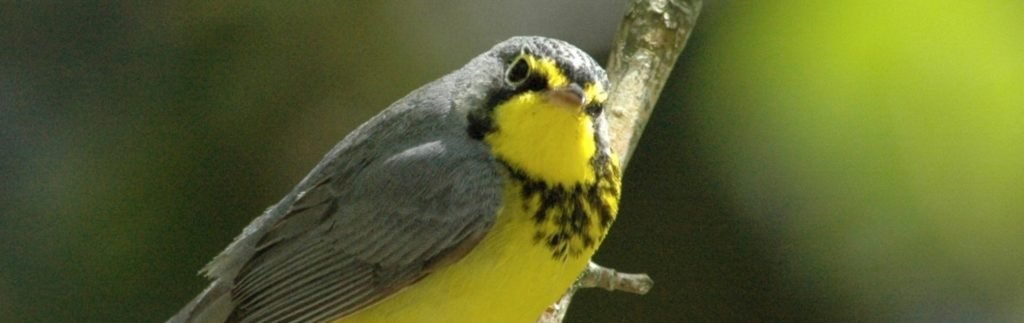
x: 346, y: 244
x: 403, y: 194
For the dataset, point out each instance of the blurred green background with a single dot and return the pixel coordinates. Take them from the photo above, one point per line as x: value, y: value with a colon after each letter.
x: 808, y: 161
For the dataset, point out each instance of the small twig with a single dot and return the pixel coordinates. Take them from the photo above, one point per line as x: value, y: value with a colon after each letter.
x: 598, y: 276
x: 608, y: 279
x: 650, y: 38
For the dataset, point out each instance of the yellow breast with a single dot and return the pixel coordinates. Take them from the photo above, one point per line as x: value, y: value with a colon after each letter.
x: 509, y: 277
x: 561, y: 196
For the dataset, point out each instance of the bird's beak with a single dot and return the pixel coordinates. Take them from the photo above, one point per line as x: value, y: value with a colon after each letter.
x: 570, y: 96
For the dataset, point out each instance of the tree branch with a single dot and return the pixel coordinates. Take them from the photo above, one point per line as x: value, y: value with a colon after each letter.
x: 650, y: 38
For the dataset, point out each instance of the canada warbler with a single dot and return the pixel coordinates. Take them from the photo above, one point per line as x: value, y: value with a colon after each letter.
x: 479, y: 197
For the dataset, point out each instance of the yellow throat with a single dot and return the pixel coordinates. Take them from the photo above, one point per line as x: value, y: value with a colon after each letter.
x: 550, y: 150
x: 561, y: 196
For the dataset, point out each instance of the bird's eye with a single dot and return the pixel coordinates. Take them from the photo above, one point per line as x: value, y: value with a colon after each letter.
x: 518, y: 72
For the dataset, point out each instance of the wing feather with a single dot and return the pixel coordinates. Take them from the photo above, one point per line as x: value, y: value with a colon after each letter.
x: 348, y: 243
x: 405, y: 193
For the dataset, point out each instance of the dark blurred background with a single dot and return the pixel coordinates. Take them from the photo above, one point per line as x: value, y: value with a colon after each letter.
x: 808, y: 161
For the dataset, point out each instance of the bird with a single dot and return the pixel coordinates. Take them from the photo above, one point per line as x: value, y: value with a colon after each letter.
x: 478, y: 197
